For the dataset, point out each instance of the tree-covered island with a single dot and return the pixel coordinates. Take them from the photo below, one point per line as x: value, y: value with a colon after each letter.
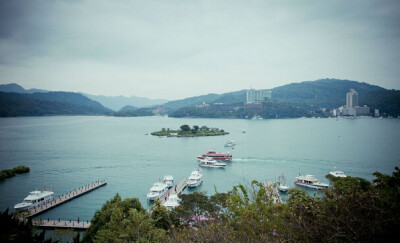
x: 187, y: 131
x: 5, y: 174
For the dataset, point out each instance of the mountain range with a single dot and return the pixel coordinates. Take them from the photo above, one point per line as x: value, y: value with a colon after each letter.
x: 15, y: 88
x: 111, y: 102
x: 323, y: 93
x: 50, y: 103
x: 118, y: 102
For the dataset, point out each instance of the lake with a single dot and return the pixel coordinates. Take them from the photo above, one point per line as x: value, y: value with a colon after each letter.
x: 66, y: 152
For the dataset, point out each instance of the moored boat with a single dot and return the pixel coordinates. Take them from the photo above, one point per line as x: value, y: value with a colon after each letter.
x: 310, y: 181
x: 172, y: 202
x: 230, y: 143
x: 209, y: 162
x: 337, y: 173
x: 195, y: 179
x: 157, y: 191
x: 282, y: 183
x: 169, y: 180
x: 216, y: 156
x: 35, y: 198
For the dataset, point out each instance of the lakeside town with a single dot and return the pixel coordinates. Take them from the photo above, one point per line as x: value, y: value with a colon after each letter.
x: 260, y: 105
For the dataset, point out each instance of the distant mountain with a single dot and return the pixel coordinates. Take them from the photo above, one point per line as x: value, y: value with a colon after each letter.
x: 323, y: 93
x: 117, y: 102
x: 128, y: 108
x: 226, y: 98
x: 329, y: 93
x: 51, y: 103
x: 112, y: 102
x: 134, y: 111
x: 15, y: 88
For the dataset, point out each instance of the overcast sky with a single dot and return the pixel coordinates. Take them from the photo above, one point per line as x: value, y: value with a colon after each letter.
x: 177, y: 49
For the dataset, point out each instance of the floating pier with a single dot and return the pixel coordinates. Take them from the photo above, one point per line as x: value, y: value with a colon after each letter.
x: 71, y: 224
x: 62, y: 199
x: 177, y: 189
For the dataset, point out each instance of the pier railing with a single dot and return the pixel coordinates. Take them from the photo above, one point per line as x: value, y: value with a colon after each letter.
x: 62, y: 199
x: 177, y: 189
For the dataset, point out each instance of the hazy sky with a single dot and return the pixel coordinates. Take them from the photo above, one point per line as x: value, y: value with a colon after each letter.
x: 177, y: 49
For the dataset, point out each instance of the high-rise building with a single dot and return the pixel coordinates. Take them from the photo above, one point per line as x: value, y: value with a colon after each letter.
x: 352, y: 108
x: 258, y: 95
x: 351, y: 99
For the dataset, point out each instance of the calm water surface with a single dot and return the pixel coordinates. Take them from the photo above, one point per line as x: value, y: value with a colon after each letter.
x: 68, y: 152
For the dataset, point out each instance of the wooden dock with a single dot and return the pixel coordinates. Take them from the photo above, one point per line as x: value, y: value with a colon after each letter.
x: 61, y: 224
x: 62, y: 199
x: 177, y: 189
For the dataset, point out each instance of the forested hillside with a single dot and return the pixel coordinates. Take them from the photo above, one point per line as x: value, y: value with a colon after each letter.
x: 51, y: 103
x: 323, y: 93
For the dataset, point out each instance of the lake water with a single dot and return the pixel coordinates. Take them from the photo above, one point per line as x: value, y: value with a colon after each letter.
x: 71, y: 151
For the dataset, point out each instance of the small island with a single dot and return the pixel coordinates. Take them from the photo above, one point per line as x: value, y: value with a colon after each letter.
x: 186, y: 131
x: 5, y: 174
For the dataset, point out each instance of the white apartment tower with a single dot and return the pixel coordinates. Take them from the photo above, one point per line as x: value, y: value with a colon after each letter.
x: 258, y: 95
x: 351, y: 98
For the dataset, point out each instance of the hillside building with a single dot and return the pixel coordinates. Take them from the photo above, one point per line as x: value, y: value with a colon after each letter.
x: 352, y: 108
x: 258, y: 95
x: 351, y: 98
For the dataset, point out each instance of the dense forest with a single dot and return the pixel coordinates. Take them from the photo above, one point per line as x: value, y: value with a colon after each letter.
x: 268, y: 110
x: 131, y: 111
x: 310, y: 95
x: 51, y: 103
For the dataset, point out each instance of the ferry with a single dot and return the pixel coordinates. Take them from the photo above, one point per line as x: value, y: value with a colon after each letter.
x: 35, y: 198
x: 195, y: 179
x: 157, y: 191
x: 216, y: 156
x: 209, y: 162
x: 310, y: 181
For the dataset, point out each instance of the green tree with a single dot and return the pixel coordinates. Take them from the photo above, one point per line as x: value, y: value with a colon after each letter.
x: 160, y: 215
x: 185, y: 128
x: 195, y: 205
x: 112, y: 207
x: 77, y: 238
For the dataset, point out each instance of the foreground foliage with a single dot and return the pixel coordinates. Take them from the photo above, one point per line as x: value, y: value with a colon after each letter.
x: 14, y: 230
x: 123, y: 221
x: 352, y: 210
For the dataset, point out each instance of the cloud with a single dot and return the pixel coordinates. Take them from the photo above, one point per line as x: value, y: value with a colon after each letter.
x: 154, y: 47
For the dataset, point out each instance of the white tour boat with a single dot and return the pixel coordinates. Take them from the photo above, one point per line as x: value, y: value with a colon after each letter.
x: 157, y: 191
x: 169, y: 180
x: 230, y: 143
x: 34, y: 198
x: 194, y: 179
x: 282, y: 184
x: 209, y: 162
x: 310, y: 181
x: 172, y: 202
x: 337, y: 173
